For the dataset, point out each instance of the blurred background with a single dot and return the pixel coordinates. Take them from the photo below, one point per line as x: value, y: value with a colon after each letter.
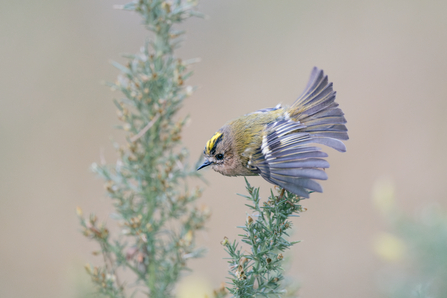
x: 387, y: 60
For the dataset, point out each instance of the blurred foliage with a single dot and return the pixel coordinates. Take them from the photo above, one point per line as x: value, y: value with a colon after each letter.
x: 154, y: 210
x: 416, y: 251
x: 259, y: 272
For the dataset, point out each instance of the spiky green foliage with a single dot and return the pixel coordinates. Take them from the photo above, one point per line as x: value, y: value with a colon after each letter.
x: 258, y: 270
x: 420, y: 270
x: 154, y: 209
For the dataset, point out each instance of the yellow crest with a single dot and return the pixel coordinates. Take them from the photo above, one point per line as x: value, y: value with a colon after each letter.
x: 211, y: 144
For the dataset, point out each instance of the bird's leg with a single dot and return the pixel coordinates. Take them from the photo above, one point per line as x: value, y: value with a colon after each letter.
x: 281, y: 194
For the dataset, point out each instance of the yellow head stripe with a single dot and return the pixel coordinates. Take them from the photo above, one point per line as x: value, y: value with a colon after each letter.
x: 212, y: 142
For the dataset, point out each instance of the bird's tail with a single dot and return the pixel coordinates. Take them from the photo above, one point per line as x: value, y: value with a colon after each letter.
x: 317, y: 110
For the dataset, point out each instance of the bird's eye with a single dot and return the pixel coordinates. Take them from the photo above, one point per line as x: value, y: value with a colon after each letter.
x: 219, y: 156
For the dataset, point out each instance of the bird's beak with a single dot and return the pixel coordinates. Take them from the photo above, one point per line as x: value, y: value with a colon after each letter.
x: 205, y: 164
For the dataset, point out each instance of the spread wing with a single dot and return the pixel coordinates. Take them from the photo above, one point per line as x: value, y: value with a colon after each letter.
x: 287, y: 156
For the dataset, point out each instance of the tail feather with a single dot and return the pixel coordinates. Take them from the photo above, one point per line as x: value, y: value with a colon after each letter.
x: 331, y: 111
x: 319, y: 104
x: 324, y: 90
x: 317, y: 110
x: 316, y: 78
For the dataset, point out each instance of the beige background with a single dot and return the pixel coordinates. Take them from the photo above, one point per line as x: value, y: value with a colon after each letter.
x: 387, y: 60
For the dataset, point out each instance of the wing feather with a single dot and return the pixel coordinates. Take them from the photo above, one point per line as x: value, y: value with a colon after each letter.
x: 290, y: 156
x: 293, y: 187
x: 307, y: 163
x: 303, y: 182
x: 300, y: 173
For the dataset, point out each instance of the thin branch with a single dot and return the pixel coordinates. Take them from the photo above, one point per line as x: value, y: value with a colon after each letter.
x: 145, y: 129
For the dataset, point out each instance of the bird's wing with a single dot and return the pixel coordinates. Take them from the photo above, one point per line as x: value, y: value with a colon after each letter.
x: 287, y: 157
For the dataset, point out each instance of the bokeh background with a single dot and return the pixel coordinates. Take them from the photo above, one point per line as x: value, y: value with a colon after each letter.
x: 387, y: 59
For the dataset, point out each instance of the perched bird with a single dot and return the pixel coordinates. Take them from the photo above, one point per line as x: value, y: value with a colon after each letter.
x: 278, y: 143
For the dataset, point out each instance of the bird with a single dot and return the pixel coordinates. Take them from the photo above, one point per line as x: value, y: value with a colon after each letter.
x: 280, y: 143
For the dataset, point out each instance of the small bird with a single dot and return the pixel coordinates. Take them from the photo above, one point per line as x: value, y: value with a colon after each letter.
x: 279, y: 143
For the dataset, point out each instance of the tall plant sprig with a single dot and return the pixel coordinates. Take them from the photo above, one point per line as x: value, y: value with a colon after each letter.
x: 153, y: 206
x: 258, y: 271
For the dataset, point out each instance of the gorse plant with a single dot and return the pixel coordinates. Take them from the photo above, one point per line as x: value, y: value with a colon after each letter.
x: 154, y: 208
x: 415, y: 250
x: 259, y: 271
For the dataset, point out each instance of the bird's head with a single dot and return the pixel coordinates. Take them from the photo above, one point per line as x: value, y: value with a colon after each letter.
x: 218, y: 153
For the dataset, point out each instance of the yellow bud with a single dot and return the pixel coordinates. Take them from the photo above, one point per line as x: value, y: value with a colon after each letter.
x: 166, y: 7
x: 389, y: 247
x: 79, y: 211
x: 149, y: 227
x: 88, y: 268
x: 302, y: 209
x: 383, y: 195
x: 249, y: 220
x: 224, y: 242
x: 109, y: 186
x: 188, y: 237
